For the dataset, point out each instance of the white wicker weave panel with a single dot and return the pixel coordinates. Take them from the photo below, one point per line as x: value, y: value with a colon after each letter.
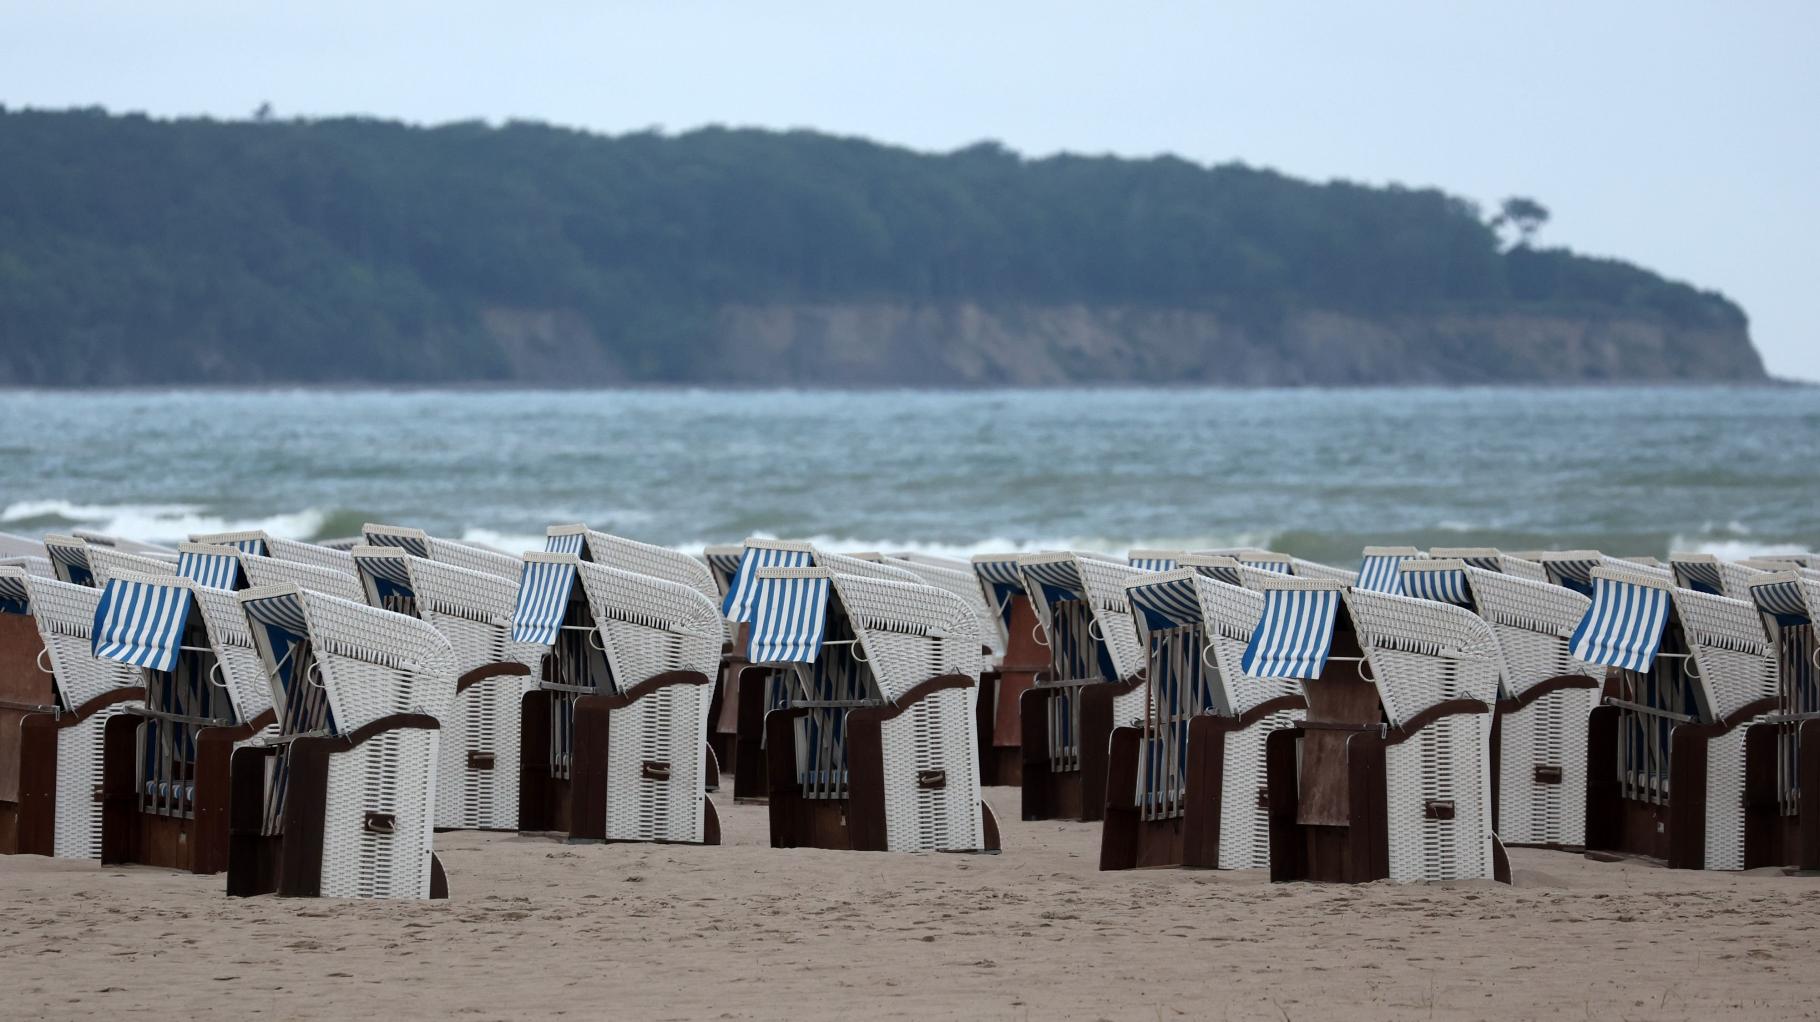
x: 76, y: 827
x: 65, y: 615
x: 1449, y: 760
x: 1736, y: 660
x: 106, y: 563
x: 910, y: 632
x: 1105, y: 583
x: 655, y: 561
x: 935, y: 733
x: 473, y: 558
x: 669, y: 726
x: 276, y: 571
x: 649, y: 625
x: 1244, y: 823
x: 310, y: 553
x: 1550, y: 732
x: 1423, y: 653
x: 1725, y: 801
x: 375, y: 662
x: 485, y: 718
x: 392, y: 773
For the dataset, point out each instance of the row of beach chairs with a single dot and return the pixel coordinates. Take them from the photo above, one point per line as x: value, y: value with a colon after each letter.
x: 304, y: 717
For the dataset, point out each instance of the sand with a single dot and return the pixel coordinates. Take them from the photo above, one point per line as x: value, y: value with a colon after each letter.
x: 534, y: 928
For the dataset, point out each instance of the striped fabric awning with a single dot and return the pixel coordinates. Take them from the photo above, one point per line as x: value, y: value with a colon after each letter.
x: 1780, y: 595
x: 1378, y: 569
x: 245, y: 542
x: 1699, y: 572
x: 999, y: 576
x: 69, y: 559
x: 543, y: 597
x: 1060, y: 579
x: 207, y: 568
x: 1623, y: 627
x: 383, y: 564
x: 789, y: 615
x: 1294, y: 634
x: 1488, y: 558
x: 1264, y: 561
x: 1152, y: 560
x: 1170, y: 601
x: 15, y: 598
x: 412, y: 541
x: 140, y: 623
x: 1217, y: 567
x: 738, y: 605
x: 1571, y: 569
x: 283, y: 611
x: 565, y: 539
x: 1441, y: 581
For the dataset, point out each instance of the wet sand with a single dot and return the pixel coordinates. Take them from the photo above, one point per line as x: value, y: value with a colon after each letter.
x: 537, y: 929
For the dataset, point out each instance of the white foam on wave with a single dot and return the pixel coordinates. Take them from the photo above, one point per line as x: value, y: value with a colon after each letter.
x: 158, y: 523
x: 1732, y: 549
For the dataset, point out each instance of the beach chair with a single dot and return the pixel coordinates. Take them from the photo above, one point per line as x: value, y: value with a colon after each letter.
x: 1186, y: 786
x: 341, y: 802
x: 477, y: 782
x: 165, y: 760
x: 672, y: 566
x: 1572, y: 569
x: 1012, y: 619
x: 58, y: 698
x: 756, y: 688
x: 418, y: 543
x: 616, y: 728
x: 872, y: 747
x: 1093, y: 681
x: 257, y: 542
x: 1388, y: 776
x: 1546, y: 696
x: 1666, y: 749
x: 1782, y: 786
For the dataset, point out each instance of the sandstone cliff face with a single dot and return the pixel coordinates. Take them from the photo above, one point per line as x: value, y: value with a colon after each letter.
x: 965, y: 344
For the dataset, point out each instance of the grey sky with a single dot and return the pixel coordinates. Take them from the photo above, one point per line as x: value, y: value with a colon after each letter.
x: 1684, y: 136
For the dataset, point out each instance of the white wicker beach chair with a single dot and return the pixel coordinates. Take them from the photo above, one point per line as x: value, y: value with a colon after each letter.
x: 1782, y: 784
x: 257, y: 542
x: 165, y: 760
x: 418, y: 543
x: 962, y: 583
x: 1666, y: 752
x: 874, y: 747
x: 620, y: 715
x: 55, y: 731
x: 1389, y: 774
x: 1186, y: 787
x: 1546, y: 696
x: 750, y: 691
x: 477, y: 781
x: 341, y: 802
x: 1094, y: 682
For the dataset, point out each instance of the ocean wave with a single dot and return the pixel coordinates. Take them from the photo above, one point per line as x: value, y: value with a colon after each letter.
x: 153, y: 523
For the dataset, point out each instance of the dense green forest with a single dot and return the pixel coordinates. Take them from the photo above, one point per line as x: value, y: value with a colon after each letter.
x: 134, y: 249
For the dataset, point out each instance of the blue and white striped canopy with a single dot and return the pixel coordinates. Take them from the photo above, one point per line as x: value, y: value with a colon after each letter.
x: 543, y: 597
x: 1378, y: 571
x: 738, y: 604
x: 1061, y: 580
x: 1294, y: 634
x: 245, y: 542
x: 1000, y: 578
x: 1473, y: 557
x: 15, y: 598
x: 1228, y: 573
x: 1152, y: 563
x: 215, y: 570
x: 564, y: 542
x: 1701, y: 575
x: 1781, y: 597
x: 1623, y: 627
x: 1273, y: 564
x: 1424, y: 580
x: 789, y: 618
x: 283, y: 612
x: 1572, y: 572
x: 141, y: 623
x: 393, y: 568
x: 724, y: 563
x: 1169, y: 603
x: 69, y: 559
x: 410, y: 542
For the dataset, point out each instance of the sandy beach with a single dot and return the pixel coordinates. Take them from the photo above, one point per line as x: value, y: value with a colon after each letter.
x: 535, y: 929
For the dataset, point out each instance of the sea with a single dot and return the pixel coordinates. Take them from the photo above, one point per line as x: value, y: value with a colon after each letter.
x: 1317, y: 473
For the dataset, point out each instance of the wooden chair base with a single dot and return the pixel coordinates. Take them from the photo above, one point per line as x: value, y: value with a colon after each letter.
x: 1772, y: 837
x: 1051, y: 794
x: 750, y: 764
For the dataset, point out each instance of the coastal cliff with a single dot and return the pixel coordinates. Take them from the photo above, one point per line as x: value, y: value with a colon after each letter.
x: 141, y: 251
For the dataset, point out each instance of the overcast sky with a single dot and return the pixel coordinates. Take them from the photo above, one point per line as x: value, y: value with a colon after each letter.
x: 1679, y: 135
